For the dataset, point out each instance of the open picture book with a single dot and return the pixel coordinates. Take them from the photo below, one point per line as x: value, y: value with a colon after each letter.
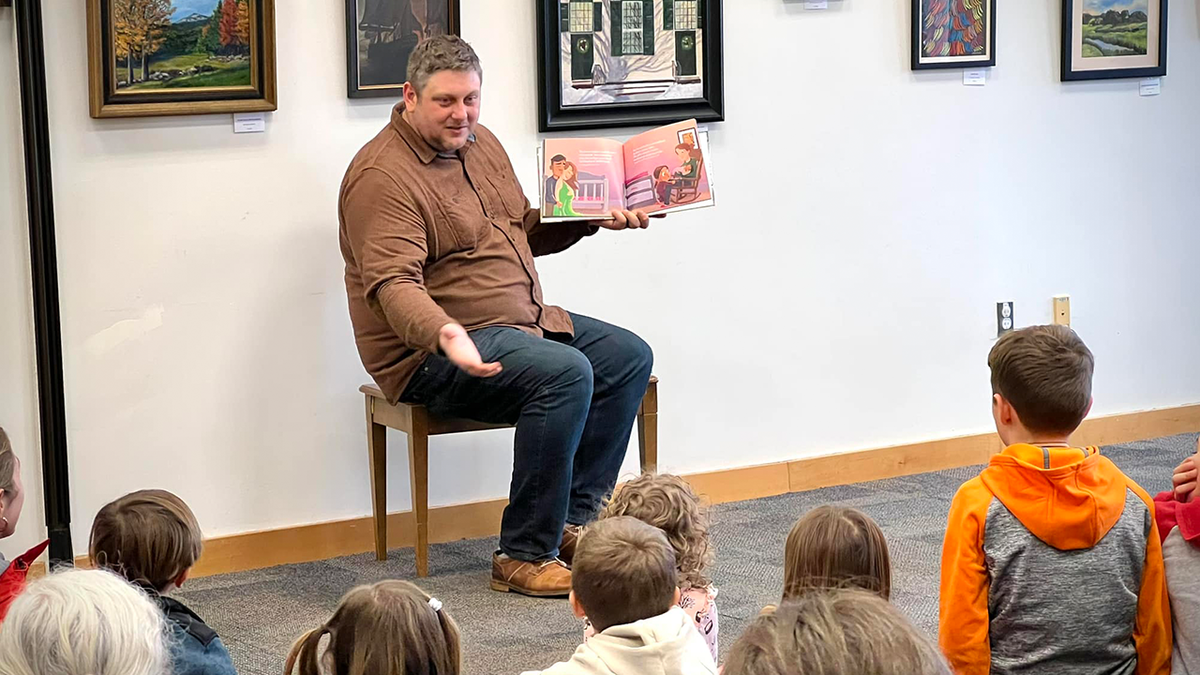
x: 659, y: 171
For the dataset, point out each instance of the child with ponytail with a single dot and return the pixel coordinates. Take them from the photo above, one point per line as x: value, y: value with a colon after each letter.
x: 387, y: 628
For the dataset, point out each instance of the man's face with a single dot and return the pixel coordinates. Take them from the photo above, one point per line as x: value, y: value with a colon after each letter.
x: 556, y: 169
x: 446, y: 111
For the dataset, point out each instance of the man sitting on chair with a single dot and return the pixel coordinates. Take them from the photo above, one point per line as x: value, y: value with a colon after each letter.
x: 439, y: 242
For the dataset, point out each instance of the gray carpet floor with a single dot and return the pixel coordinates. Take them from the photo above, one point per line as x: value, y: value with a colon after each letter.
x: 259, y: 613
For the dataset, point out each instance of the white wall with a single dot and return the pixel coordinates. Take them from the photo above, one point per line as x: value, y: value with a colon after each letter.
x: 841, y: 296
x: 18, y: 383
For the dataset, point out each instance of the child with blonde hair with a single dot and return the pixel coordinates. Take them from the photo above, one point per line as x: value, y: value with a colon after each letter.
x: 387, y: 628
x: 836, y: 547
x: 832, y: 631
x: 668, y: 503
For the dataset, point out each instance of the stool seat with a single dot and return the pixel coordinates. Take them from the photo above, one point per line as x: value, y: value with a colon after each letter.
x: 416, y: 422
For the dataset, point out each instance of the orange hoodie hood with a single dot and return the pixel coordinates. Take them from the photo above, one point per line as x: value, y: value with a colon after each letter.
x: 1067, y: 497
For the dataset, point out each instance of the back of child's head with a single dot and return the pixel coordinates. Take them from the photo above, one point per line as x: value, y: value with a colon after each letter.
x: 387, y: 628
x: 835, y: 547
x: 1045, y: 374
x: 623, y: 571
x: 668, y: 503
x: 84, y: 622
x: 149, y: 537
x: 834, y: 632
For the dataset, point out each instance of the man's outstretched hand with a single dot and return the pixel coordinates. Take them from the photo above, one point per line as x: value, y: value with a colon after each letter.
x: 1185, y: 477
x: 461, y: 350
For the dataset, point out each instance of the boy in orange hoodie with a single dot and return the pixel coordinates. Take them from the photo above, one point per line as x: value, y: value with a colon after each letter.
x: 1051, y: 562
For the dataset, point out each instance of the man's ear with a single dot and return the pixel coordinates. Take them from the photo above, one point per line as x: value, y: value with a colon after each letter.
x: 181, y: 577
x: 576, y: 607
x: 410, y: 96
x: 1089, y: 408
x: 678, y: 595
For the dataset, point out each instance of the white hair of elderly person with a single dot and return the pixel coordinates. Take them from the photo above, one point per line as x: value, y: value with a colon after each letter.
x: 84, y: 622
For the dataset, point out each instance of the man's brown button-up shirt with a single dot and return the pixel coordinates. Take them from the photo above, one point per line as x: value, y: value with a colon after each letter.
x: 433, y: 238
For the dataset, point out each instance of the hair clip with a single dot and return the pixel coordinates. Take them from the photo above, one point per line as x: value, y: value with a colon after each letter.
x: 435, y: 604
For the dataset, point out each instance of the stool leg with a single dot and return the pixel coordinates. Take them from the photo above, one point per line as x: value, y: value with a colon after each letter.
x: 418, y: 469
x: 377, y: 456
x: 647, y: 422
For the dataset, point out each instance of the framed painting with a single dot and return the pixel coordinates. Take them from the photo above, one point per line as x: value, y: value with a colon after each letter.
x: 380, y: 35
x: 609, y: 63
x: 1103, y: 39
x: 180, y: 57
x: 953, y: 34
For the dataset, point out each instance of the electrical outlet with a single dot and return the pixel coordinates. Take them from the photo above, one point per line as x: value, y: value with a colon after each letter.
x: 1062, y: 310
x: 1004, y: 318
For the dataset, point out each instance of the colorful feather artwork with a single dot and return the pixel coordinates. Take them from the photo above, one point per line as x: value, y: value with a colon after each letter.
x: 953, y: 27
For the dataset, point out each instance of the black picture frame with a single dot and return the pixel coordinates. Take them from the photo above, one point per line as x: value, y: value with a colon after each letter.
x: 920, y: 62
x: 1071, y: 74
x: 393, y: 48
x: 554, y: 116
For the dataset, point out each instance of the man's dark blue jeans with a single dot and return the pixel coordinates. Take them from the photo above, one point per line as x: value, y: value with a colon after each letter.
x: 574, y: 401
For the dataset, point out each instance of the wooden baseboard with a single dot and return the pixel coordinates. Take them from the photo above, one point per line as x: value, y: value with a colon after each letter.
x: 320, y: 541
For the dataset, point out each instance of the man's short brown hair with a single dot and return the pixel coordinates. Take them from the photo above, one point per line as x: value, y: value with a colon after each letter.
x: 1045, y: 373
x: 149, y: 537
x: 624, y: 571
x: 438, y: 53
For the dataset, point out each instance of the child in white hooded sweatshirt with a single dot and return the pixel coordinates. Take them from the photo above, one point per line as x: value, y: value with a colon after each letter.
x: 623, y: 579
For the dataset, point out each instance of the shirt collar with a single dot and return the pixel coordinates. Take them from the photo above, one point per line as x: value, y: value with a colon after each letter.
x: 424, y: 151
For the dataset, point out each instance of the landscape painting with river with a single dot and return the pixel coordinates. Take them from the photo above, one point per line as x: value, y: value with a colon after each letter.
x: 1114, y: 28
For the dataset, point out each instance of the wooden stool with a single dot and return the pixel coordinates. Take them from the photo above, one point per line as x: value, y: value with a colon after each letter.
x: 419, y: 425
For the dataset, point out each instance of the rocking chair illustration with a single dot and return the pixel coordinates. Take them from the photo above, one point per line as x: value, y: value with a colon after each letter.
x: 688, y: 189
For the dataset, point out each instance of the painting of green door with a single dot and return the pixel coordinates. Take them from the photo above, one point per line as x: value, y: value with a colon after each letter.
x: 684, y: 18
x: 582, y: 21
x: 583, y: 55
x: 685, y: 53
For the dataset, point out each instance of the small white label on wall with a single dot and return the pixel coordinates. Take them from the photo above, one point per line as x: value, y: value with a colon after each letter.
x: 816, y: 4
x: 249, y: 123
x: 974, y: 78
x: 1150, y: 86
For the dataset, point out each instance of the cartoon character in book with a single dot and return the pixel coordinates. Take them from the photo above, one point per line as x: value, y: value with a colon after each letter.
x: 689, y: 157
x: 550, y: 195
x: 566, y: 191
x: 662, y: 185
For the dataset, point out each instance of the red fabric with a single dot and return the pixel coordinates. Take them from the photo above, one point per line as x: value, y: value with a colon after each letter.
x: 1171, y: 514
x: 12, y: 580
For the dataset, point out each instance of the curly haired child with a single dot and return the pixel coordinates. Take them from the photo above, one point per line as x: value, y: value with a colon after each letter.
x: 668, y: 503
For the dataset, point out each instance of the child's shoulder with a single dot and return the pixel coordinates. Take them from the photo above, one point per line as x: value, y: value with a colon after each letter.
x: 974, y: 492
x: 187, y: 621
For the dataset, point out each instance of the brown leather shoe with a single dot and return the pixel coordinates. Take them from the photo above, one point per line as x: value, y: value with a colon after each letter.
x: 544, y: 578
x: 566, y: 550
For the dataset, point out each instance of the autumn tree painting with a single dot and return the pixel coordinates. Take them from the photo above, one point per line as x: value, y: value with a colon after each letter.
x: 169, y: 44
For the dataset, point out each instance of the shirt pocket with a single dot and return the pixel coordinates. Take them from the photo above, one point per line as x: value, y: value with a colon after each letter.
x: 510, y: 193
x: 462, y: 220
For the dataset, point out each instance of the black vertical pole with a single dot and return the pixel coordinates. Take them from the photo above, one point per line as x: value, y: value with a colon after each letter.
x: 44, y: 262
